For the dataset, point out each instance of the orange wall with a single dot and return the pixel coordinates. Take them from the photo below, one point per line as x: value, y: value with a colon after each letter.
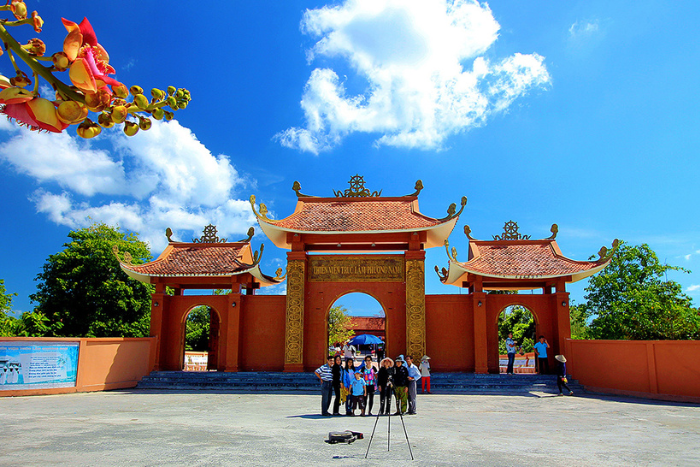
x: 103, y: 363
x: 449, y: 325
x: 656, y: 369
x: 262, y: 332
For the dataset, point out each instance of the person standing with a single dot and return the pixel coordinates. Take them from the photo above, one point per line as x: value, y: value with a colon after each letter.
x: 401, y: 385
x: 385, y: 378
x: 359, y: 391
x: 369, y: 374
x: 348, y: 378
x: 424, y: 368
x: 541, y: 354
x: 349, y: 350
x: 561, y: 374
x: 511, y: 349
x: 325, y: 375
x: 413, y: 377
x: 337, y: 377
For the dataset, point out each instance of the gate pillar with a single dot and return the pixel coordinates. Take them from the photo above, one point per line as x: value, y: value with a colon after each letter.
x: 294, y: 324
x: 415, y: 304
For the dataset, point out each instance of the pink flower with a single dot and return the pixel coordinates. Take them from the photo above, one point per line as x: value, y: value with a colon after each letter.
x: 89, y: 60
x: 37, y: 114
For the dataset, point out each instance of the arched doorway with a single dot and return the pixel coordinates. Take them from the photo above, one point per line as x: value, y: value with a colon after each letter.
x: 358, y: 314
x: 519, y: 320
x: 200, y: 339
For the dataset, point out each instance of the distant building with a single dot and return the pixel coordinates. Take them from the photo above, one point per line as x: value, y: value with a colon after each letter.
x: 368, y: 325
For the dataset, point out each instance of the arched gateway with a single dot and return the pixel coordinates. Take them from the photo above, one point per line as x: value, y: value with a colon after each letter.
x: 358, y: 241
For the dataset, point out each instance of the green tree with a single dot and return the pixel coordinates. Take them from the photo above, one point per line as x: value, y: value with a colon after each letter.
x: 197, y: 332
x: 8, y: 323
x: 579, y: 325
x: 632, y: 299
x: 518, y: 320
x: 339, y: 325
x: 82, y: 290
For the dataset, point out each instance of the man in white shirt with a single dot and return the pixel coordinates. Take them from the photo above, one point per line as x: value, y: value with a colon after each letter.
x: 413, y: 377
x: 349, y: 351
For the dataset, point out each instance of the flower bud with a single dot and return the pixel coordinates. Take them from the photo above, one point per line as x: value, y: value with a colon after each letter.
x: 172, y: 102
x: 119, y: 113
x: 130, y: 128
x: 158, y: 113
x: 182, y: 105
x: 105, y: 120
x: 71, y: 112
x: 141, y: 101
x: 35, y: 47
x: 169, y: 115
x: 145, y: 123
x: 120, y: 90
x: 19, y: 9
x: 97, y: 101
x: 171, y: 90
x: 21, y: 80
x: 60, y: 61
x: 15, y: 95
x: 157, y: 94
x: 136, y: 90
x: 88, y: 129
x: 37, y: 22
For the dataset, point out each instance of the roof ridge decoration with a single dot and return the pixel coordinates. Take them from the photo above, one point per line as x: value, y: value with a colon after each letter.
x: 357, y: 189
x: 251, y: 232
x: 452, y: 210
x: 263, y: 209
x: 169, y: 234
x: 452, y: 255
x: 418, y: 188
x: 510, y: 232
x: 555, y: 231
x: 604, y: 254
x: 296, y: 186
x: 209, y: 236
x: 128, y: 259
x: 468, y: 232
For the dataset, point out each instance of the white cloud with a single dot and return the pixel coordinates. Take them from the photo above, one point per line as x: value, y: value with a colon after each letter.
x: 693, y: 288
x: 584, y: 28
x: 424, y: 65
x: 160, y: 178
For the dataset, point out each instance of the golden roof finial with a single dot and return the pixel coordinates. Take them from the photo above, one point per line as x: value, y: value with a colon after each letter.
x: 555, y: 231
x: 468, y: 232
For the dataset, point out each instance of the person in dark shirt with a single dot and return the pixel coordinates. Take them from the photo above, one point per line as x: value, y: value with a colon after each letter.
x: 561, y: 374
x: 337, y: 370
x: 385, y: 385
x: 401, y: 386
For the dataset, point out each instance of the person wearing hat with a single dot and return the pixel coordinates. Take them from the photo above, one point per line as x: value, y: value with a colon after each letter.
x: 401, y: 385
x: 561, y: 374
x: 424, y: 368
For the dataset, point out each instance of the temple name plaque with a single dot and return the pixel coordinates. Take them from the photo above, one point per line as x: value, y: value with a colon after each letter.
x: 367, y: 269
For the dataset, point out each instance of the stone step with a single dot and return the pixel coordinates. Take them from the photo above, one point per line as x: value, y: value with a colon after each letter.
x: 469, y: 383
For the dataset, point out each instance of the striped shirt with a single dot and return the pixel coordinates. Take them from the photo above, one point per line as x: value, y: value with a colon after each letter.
x: 325, y: 372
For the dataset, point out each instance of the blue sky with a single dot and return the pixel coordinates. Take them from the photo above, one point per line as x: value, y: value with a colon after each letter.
x: 580, y: 113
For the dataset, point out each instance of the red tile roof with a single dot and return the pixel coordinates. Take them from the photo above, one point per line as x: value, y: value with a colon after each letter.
x: 187, y: 259
x: 366, y: 323
x: 331, y: 215
x: 522, y: 259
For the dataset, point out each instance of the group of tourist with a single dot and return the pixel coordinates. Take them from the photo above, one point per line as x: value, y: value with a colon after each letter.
x: 355, y: 387
x: 541, y: 361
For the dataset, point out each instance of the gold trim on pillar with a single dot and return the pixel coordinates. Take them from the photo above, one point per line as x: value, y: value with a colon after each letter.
x: 415, y: 308
x: 294, y: 332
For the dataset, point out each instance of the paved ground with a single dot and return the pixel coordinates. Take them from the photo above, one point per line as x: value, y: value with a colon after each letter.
x: 199, y: 428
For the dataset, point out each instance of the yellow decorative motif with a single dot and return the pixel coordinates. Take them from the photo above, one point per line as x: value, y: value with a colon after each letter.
x: 418, y: 188
x: 127, y: 256
x: 442, y: 274
x: 169, y: 234
x: 510, y: 232
x: 278, y: 274
x: 209, y: 236
x: 263, y: 209
x: 468, y: 232
x: 297, y: 188
x: 294, y: 329
x: 415, y: 307
x: 357, y: 189
x: 453, y: 254
x: 251, y: 232
x: 257, y: 256
x: 555, y: 231
x: 452, y: 210
x: 605, y: 254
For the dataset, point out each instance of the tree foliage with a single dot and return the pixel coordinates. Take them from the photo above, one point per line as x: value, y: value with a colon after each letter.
x: 83, y: 291
x: 632, y: 299
x: 198, y: 327
x: 518, y: 320
x: 339, y: 325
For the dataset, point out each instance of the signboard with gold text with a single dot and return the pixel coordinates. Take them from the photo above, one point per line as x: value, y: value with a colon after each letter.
x: 364, y: 269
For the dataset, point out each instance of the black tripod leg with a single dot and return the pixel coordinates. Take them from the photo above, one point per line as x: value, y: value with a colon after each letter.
x: 406, y: 433
x: 372, y: 437
x: 388, y: 435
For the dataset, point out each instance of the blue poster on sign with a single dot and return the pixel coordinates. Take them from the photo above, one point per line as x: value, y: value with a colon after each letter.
x: 38, y: 365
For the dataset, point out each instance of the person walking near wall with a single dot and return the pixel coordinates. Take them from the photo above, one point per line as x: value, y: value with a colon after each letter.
x: 401, y: 385
x: 413, y: 377
x: 325, y: 375
x: 511, y: 349
x: 424, y: 368
x: 561, y: 374
x: 385, y: 382
x: 541, y: 354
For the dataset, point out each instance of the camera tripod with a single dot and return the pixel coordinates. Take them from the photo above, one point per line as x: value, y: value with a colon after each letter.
x: 388, y: 442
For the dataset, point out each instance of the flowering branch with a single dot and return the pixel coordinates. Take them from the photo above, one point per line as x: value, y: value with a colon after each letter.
x: 91, y: 89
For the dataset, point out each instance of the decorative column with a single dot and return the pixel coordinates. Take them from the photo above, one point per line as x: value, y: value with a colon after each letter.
x: 294, y: 327
x: 415, y: 304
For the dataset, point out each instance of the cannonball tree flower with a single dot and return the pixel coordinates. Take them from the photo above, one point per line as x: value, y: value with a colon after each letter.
x: 37, y: 114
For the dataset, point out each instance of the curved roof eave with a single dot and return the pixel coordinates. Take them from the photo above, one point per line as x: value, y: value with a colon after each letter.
x: 150, y: 278
x: 436, y: 233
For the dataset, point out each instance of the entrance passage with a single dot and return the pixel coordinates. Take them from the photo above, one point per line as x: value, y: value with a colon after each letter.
x: 521, y: 322
x: 201, y: 339
x: 360, y: 319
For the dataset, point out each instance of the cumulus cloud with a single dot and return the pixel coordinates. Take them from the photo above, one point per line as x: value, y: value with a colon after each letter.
x: 160, y: 178
x: 426, y: 73
x: 693, y: 288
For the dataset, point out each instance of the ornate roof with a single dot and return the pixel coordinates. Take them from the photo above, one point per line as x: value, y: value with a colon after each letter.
x: 357, y: 210
x: 514, y: 257
x: 207, y: 256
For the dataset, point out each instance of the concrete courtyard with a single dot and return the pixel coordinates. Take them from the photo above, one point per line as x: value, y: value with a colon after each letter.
x: 153, y: 428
